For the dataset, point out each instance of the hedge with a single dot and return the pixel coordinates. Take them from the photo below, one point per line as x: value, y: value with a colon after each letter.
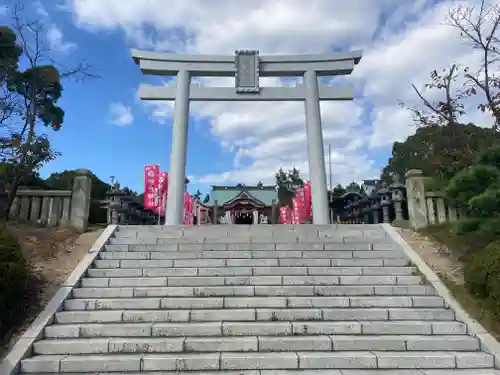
x: 14, y: 273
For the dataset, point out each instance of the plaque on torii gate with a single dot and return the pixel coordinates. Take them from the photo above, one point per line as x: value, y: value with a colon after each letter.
x: 246, y: 66
x: 247, y: 71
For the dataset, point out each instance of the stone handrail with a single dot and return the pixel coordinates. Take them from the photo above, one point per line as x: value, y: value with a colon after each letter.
x: 439, y: 210
x: 55, y: 207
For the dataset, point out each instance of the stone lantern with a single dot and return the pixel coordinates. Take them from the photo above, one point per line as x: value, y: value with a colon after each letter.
x: 375, y: 206
x: 365, y: 209
x: 115, y: 204
x: 385, y: 201
x: 355, y: 209
x: 397, y: 188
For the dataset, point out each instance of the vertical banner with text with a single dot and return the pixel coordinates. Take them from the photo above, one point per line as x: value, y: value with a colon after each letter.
x: 162, y: 190
x: 151, y: 180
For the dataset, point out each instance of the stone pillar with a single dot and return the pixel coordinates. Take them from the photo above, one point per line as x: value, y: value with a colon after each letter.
x: 177, y: 175
x: 415, y: 192
x: 315, y: 149
x: 80, y: 200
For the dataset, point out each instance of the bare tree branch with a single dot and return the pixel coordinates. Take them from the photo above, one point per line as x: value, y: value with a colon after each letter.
x: 479, y: 27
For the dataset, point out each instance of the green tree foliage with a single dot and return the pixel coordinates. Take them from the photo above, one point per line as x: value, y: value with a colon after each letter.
x: 206, y: 199
x: 439, y: 151
x: 472, y: 182
x: 477, y: 190
x: 288, y: 183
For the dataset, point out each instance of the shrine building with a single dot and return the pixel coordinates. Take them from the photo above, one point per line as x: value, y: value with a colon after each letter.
x: 242, y: 204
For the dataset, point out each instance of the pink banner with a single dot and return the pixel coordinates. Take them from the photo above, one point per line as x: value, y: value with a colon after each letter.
x: 295, y: 211
x: 285, y: 215
x: 308, y: 200
x: 151, y: 179
x: 188, y: 217
x: 162, y: 191
x: 301, y: 207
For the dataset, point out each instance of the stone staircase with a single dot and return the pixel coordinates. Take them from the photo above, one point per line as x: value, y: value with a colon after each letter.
x: 338, y: 300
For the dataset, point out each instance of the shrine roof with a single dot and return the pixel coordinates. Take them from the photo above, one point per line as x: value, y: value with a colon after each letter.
x: 260, y: 194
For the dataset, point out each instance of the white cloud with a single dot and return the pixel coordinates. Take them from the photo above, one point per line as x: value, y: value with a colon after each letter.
x: 57, y: 42
x: 120, y: 114
x: 403, y: 41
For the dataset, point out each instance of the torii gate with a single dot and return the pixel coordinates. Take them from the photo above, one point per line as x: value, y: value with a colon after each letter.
x: 246, y: 66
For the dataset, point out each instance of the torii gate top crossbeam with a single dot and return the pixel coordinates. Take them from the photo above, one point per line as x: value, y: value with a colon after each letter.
x: 168, y: 64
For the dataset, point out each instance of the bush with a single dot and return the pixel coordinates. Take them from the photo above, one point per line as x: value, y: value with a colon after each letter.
x: 468, y: 225
x: 486, y: 204
x: 482, y: 276
x: 471, y: 182
x: 14, y: 272
x: 490, y: 156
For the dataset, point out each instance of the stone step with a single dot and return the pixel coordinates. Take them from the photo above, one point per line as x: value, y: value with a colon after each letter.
x: 260, y: 247
x: 378, y: 267
x: 256, y: 344
x: 239, y: 239
x: 394, y: 259
x: 356, y: 299
x: 400, y: 274
x: 248, y: 282
x: 479, y: 371
x: 273, y: 325
x: 365, y: 314
x: 247, y: 361
x: 231, y: 254
x: 306, y: 288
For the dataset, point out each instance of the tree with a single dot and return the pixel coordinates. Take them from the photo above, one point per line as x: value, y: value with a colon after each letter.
x: 288, y: 183
x: 439, y: 151
x: 10, y: 53
x: 39, y: 89
x: 206, y: 199
x: 260, y: 185
x: 354, y: 187
x: 478, y: 26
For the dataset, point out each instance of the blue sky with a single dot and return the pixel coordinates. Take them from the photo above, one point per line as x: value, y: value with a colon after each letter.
x: 108, y: 130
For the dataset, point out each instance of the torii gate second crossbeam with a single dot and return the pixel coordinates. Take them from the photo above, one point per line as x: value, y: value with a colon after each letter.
x: 246, y: 66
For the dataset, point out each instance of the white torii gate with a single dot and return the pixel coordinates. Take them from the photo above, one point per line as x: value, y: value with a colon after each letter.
x: 246, y: 66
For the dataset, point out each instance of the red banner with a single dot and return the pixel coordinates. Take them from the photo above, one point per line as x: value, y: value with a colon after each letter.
x: 151, y: 180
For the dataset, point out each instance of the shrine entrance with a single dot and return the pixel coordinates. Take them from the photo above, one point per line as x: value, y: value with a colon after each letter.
x: 243, y: 218
x: 246, y: 66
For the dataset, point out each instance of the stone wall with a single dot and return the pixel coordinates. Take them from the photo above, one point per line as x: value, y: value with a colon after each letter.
x: 55, y: 207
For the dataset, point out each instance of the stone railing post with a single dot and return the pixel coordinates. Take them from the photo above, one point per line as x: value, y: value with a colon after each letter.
x: 273, y: 211
x: 415, y: 193
x: 80, y: 200
x: 214, y: 213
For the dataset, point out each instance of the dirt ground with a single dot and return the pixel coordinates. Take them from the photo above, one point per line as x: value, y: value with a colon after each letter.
x: 53, y: 254
x: 437, y: 256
